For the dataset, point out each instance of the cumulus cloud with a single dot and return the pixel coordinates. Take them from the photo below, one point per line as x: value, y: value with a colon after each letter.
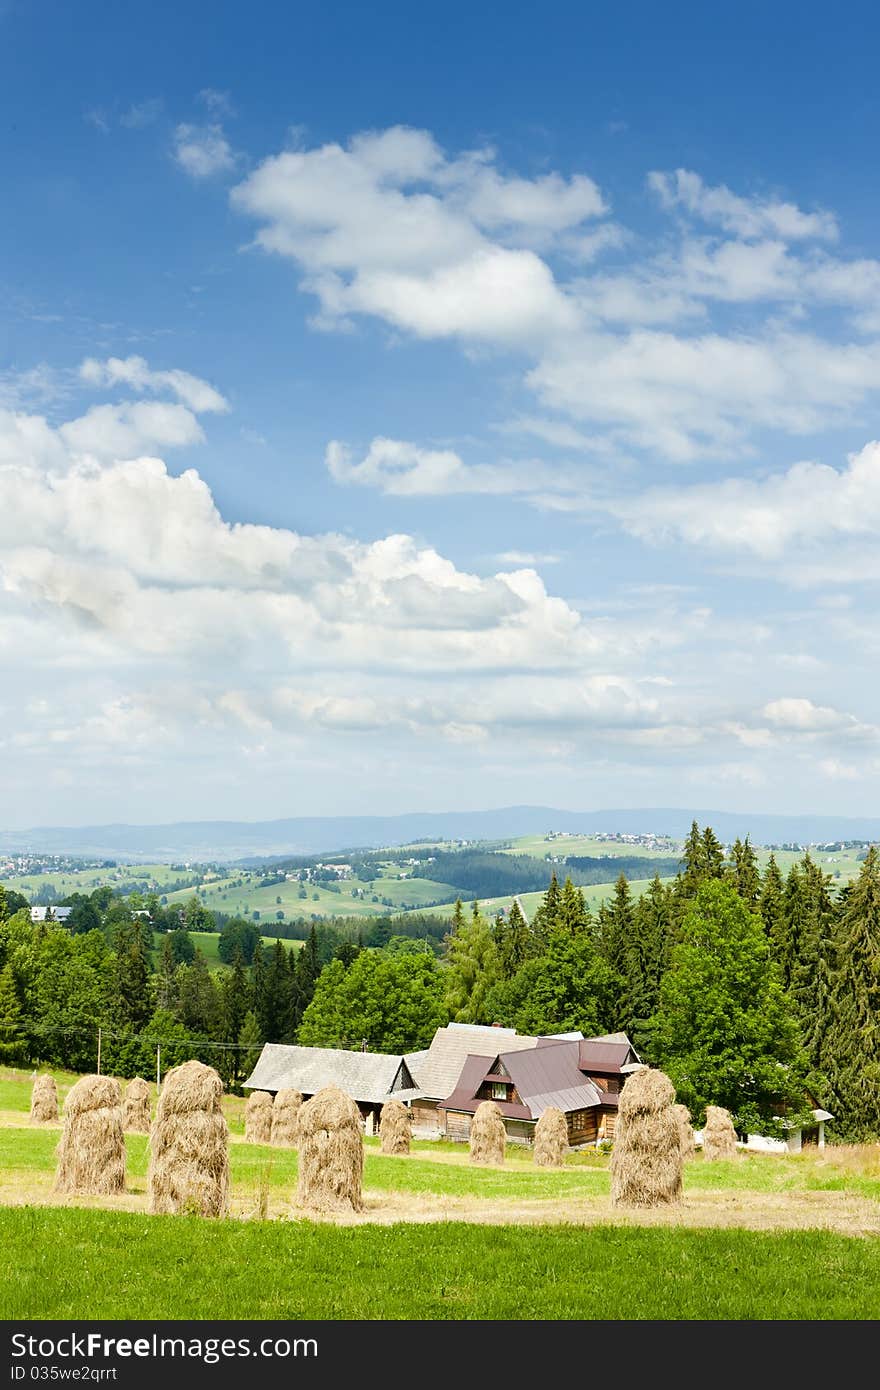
x: 203, y: 151
x: 135, y: 372
x: 400, y: 468
x: 746, y: 217
x: 392, y: 227
x: 778, y: 516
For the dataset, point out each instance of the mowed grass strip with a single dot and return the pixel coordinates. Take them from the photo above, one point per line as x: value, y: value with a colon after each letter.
x: 74, y: 1263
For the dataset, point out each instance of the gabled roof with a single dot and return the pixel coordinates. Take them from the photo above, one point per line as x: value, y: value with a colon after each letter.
x: 543, y: 1076
x: 603, y: 1057
x: 365, y: 1076
x: 438, y: 1073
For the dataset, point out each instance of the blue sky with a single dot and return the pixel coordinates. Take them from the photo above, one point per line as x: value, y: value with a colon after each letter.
x: 402, y: 411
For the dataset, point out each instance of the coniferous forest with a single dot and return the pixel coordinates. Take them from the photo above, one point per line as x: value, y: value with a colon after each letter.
x: 754, y: 990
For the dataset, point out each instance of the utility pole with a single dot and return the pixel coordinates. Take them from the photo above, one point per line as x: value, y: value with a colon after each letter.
x: 99, y: 1052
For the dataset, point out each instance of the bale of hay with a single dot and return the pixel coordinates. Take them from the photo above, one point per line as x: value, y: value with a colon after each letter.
x: 551, y: 1139
x: 685, y: 1131
x: 136, y: 1106
x: 91, y: 1153
x: 719, y: 1135
x: 646, y: 1158
x: 189, y: 1144
x: 488, y: 1135
x: 285, y: 1111
x: 395, y: 1128
x: 331, y: 1153
x: 44, y: 1101
x: 258, y: 1118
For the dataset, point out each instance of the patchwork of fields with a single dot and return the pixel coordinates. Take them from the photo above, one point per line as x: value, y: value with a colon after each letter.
x: 762, y: 1237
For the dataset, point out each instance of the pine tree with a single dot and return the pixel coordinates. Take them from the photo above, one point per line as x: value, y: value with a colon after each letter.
x: 786, y: 945
x: 572, y: 915
x: 133, y: 1003
x: 511, y: 937
x: 251, y: 1043
x: 743, y: 872
x: 546, y: 917
x: 812, y: 981
x: 772, y: 901
x: 166, y: 989
x: 646, y: 961
x: 275, y: 1016
x: 615, y: 927
x: 12, y: 1040
x: 853, y: 1044
x: 472, y: 969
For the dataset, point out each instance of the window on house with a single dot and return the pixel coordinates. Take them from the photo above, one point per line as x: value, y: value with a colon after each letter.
x: 499, y: 1090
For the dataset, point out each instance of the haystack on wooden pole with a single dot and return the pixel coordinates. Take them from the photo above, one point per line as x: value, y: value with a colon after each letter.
x: 331, y: 1153
x: 189, y: 1144
x: 91, y: 1154
x: 685, y: 1131
x: 646, y: 1158
x: 136, y: 1106
x: 488, y: 1135
x: 258, y: 1118
x: 395, y: 1128
x: 719, y: 1135
x: 44, y: 1101
x: 285, y: 1112
x: 551, y: 1139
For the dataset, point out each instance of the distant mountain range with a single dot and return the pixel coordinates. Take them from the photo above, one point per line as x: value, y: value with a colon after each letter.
x: 204, y: 841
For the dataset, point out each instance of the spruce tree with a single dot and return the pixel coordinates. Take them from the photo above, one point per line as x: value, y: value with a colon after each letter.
x: 472, y: 969
x: 615, y: 927
x: 12, y: 1040
x: 511, y: 936
x: 853, y: 1044
x: 251, y: 1043
x: 743, y: 872
x: 646, y: 961
x: 786, y: 945
x: 772, y: 900
x: 545, y: 919
x: 812, y: 979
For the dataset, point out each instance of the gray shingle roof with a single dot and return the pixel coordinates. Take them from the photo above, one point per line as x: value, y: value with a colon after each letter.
x: 365, y: 1076
x: 438, y: 1074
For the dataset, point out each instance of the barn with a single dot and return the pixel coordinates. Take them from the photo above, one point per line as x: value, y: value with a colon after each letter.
x: 370, y: 1078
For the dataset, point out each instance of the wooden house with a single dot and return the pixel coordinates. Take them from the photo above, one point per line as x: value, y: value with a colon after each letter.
x: 581, y: 1077
x: 370, y: 1078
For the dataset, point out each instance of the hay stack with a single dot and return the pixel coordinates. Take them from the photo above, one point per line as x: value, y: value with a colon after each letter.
x: 331, y: 1153
x: 646, y: 1159
x: 685, y: 1131
x: 258, y: 1118
x: 488, y: 1135
x: 719, y: 1135
x: 551, y: 1139
x: 395, y: 1128
x: 136, y: 1106
x: 91, y: 1154
x: 44, y: 1101
x: 285, y: 1113
x: 189, y: 1144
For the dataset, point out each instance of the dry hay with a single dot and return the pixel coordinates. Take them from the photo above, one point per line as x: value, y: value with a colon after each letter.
x: 44, y: 1101
x: 551, y: 1139
x: 395, y: 1128
x: 91, y: 1153
x: 189, y: 1144
x: 258, y: 1118
x: 488, y: 1135
x: 719, y: 1135
x: 136, y: 1106
x: 331, y: 1153
x: 285, y: 1112
x: 646, y: 1158
x: 685, y: 1131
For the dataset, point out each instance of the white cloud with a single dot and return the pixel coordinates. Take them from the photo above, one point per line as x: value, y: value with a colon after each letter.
x: 203, y: 151
x: 745, y: 217
x: 142, y: 113
x: 391, y: 227
x: 135, y: 372
x: 808, y: 505
x: 403, y: 469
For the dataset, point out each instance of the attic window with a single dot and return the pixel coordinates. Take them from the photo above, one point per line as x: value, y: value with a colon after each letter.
x: 499, y: 1090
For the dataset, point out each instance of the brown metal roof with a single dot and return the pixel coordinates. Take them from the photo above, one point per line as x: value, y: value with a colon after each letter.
x: 604, y: 1057
x: 543, y: 1077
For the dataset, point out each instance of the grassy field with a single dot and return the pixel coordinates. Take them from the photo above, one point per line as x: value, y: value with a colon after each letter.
x: 241, y: 896
x: 206, y: 942
x: 86, y: 880
x: 763, y: 1236
x: 183, y: 1268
